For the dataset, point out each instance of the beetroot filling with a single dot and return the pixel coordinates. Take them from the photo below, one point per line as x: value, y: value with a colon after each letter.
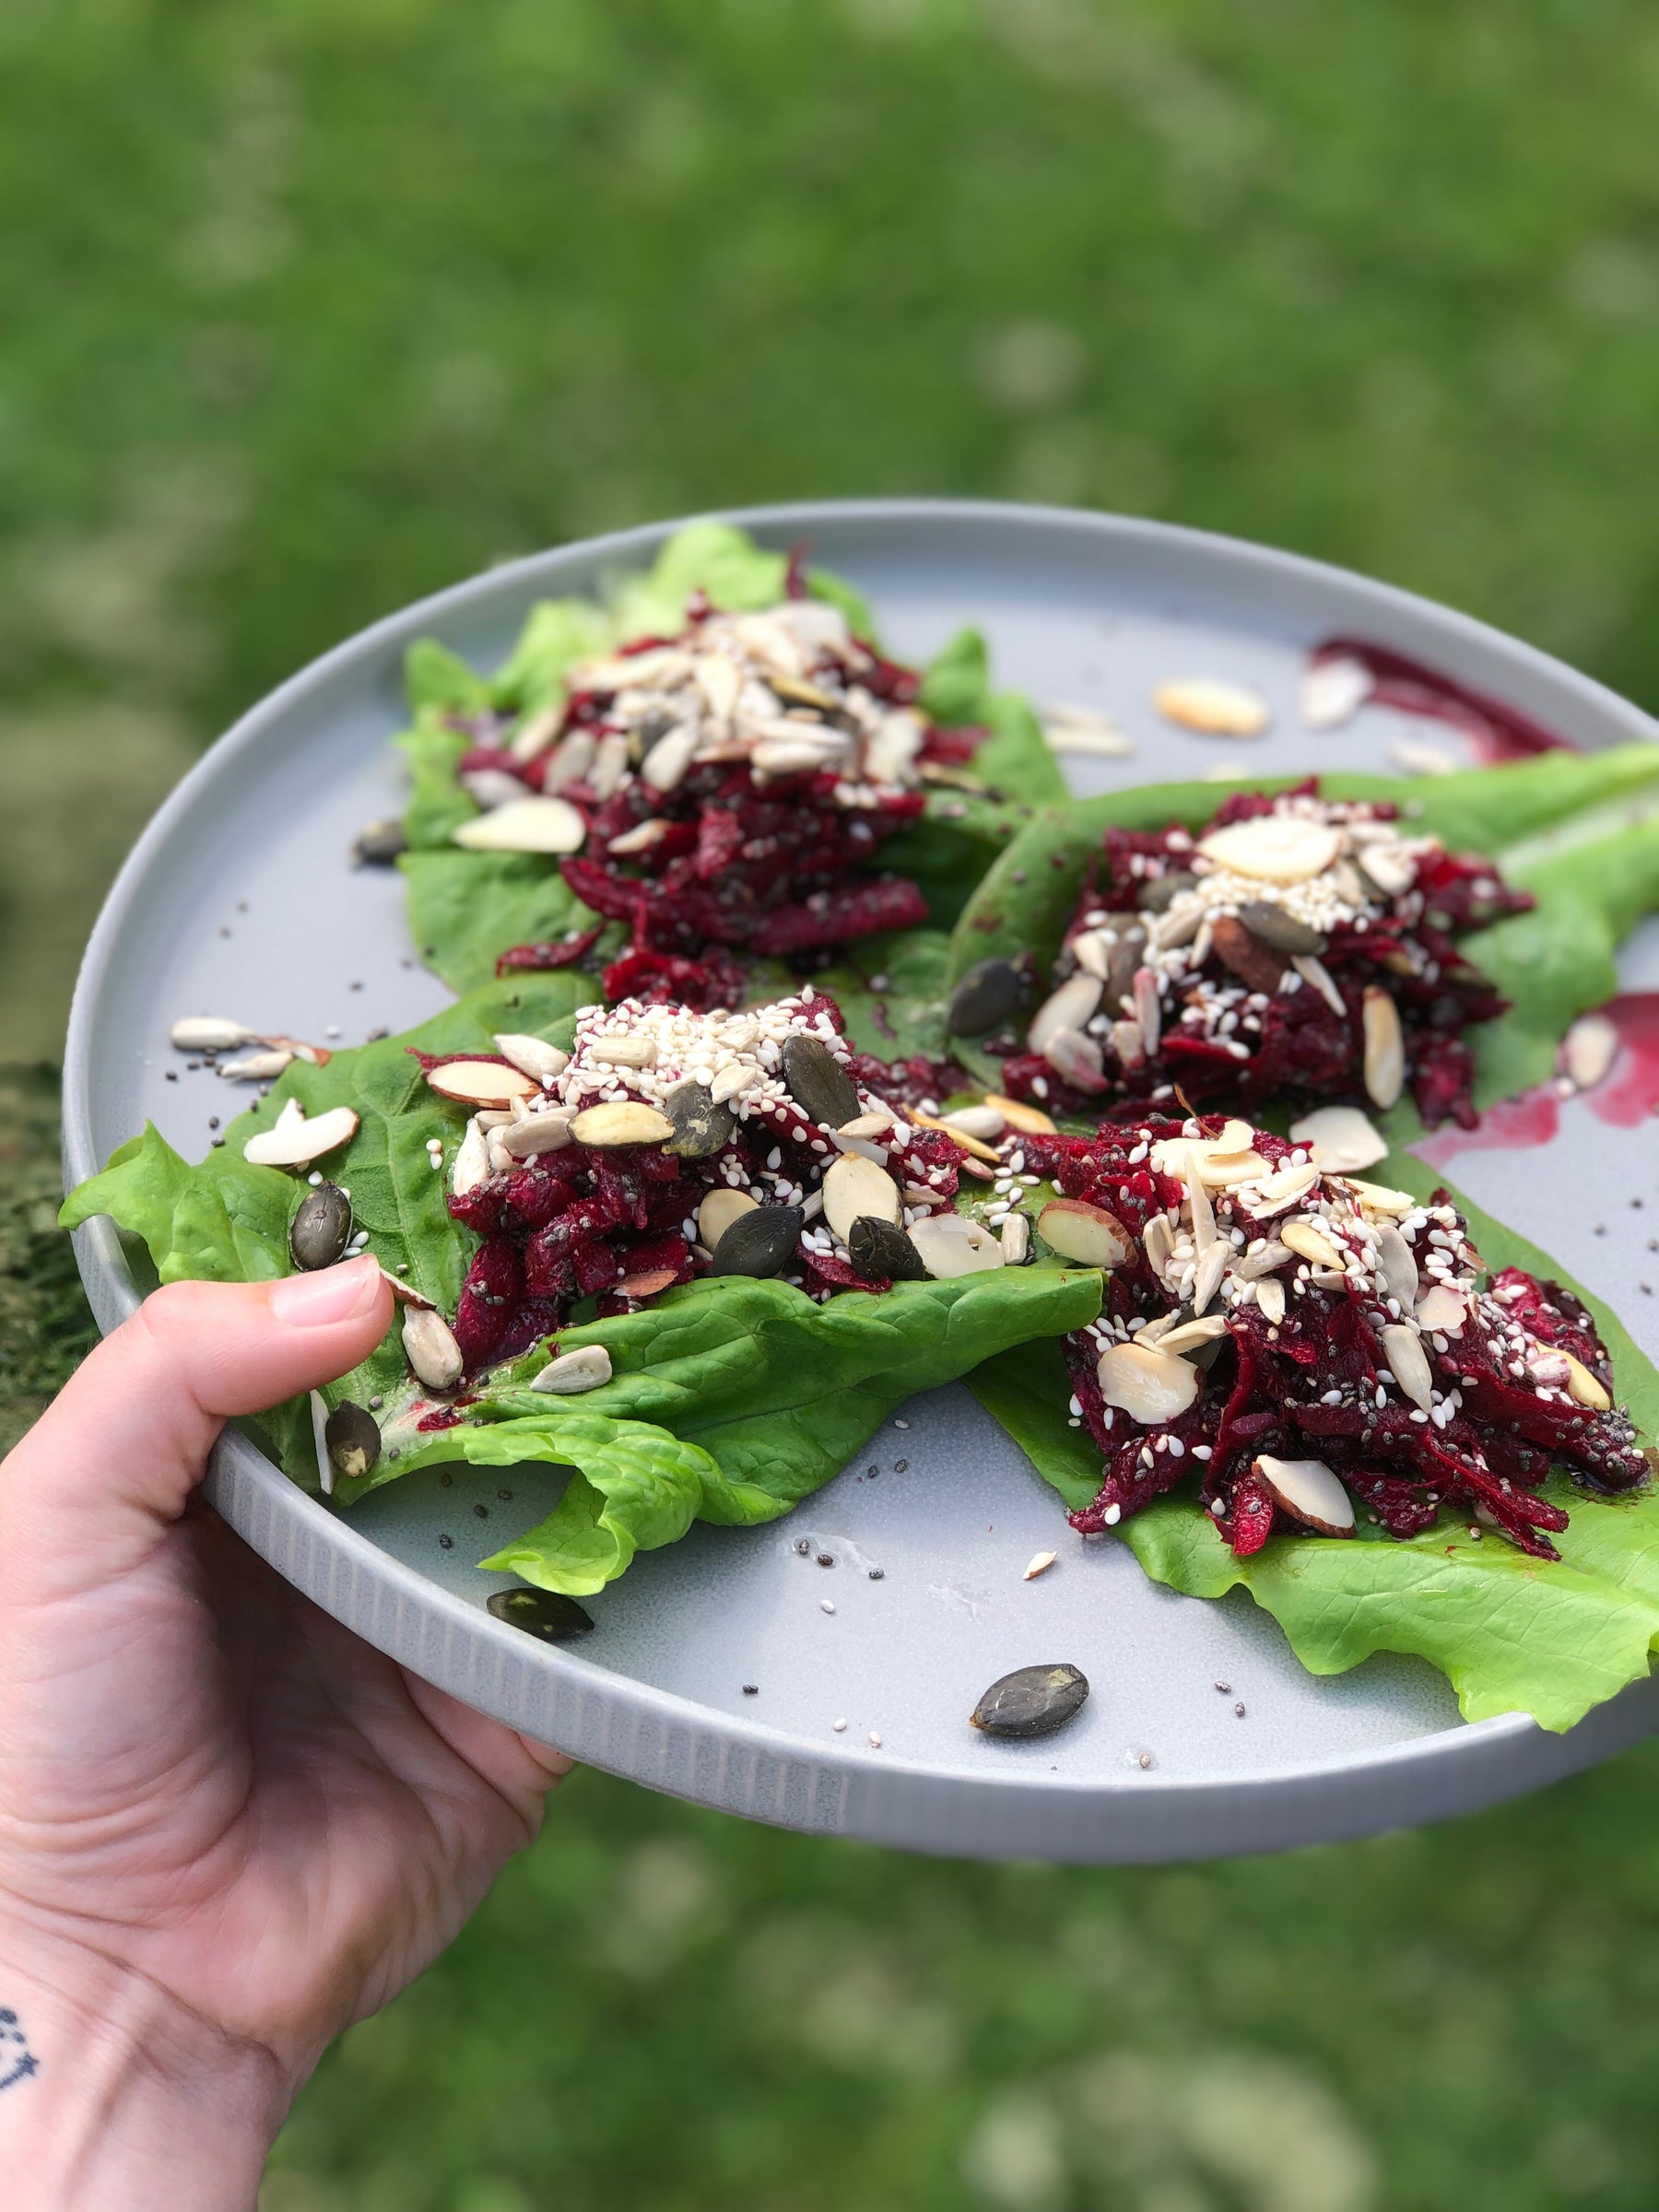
x: 1241, y: 1025
x: 739, y: 861
x: 1317, y: 1384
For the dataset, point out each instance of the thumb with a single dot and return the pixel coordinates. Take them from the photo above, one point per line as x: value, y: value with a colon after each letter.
x: 111, y: 1464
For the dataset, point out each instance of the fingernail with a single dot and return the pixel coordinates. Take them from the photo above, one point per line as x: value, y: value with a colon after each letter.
x: 340, y: 1293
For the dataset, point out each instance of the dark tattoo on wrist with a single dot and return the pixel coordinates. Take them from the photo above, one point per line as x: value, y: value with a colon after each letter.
x: 18, y: 2062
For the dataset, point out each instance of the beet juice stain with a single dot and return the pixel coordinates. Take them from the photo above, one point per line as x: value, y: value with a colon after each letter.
x: 1497, y: 732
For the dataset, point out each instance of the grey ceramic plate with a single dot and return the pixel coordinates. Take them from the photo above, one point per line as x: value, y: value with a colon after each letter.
x: 239, y: 899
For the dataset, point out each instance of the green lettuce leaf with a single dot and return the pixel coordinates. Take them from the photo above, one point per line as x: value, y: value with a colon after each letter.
x: 466, y: 909
x: 731, y: 1398
x: 1510, y: 1633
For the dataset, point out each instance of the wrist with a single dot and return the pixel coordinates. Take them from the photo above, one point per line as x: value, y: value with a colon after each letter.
x: 115, y: 2094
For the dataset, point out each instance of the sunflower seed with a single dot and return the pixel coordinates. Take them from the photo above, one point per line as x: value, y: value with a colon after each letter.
x: 493, y: 787
x: 621, y: 1121
x: 818, y: 1082
x: 1077, y: 1059
x: 1072, y: 1006
x: 1270, y: 1300
x: 352, y: 1438
x: 1408, y: 1364
x: 1275, y: 927
x: 547, y: 1614
x: 761, y: 1241
x: 321, y: 1229
x: 878, y: 1248
x: 429, y: 1346
x: 1092, y: 952
x: 701, y: 1128
x: 209, y: 1033
x: 257, y: 1067
x: 569, y: 1374
x: 1397, y: 1263
x: 855, y: 1185
x: 610, y: 765
x: 951, y: 1245
x: 1145, y: 1384
x: 1385, y: 1048
x: 294, y: 1141
x: 640, y: 839
x: 1157, y: 896
x: 536, y: 1135
x: 1033, y: 1700
x: 1014, y: 1237
x: 1088, y: 1234
x: 536, y: 733
x: 990, y: 994
x: 1189, y: 1335
x: 1038, y: 1563
x: 1309, y: 1492
x: 1589, y: 1050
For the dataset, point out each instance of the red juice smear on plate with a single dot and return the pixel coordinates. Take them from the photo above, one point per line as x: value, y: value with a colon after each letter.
x: 1627, y: 1095
x: 1496, y: 732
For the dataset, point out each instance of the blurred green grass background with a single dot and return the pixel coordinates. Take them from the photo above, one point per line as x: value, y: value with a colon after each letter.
x: 313, y: 305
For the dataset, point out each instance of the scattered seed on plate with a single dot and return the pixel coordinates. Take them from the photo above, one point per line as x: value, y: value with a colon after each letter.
x: 828, y: 1606
x: 1038, y: 1563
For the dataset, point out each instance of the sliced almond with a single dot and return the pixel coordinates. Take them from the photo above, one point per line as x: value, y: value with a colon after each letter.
x: 1377, y: 1197
x: 718, y: 1211
x: 1212, y: 707
x: 855, y: 1185
x: 1309, y: 1492
x: 1270, y: 1300
x: 1207, y: 1274
x: 1397, y: 1263
x: 533, y: 1056
x: 538, y: 825
x: 1588, y: 1050
x: 1583, y: 1387
x: 1308, y: 1240
x: 621, y: 1121
x: 1284, y: 1187
x: 1028, y: 1120
x: 1070, y: 1007
x: 665, y: 764
x: 951, y: 1245
x: 1442, y: 1312
x: 1199, y: 1201
x: 1334, y: 691
x: 570, y: 762
x: 536, y: 1134
x: 1273, y: 848
x: 1385, y: 1048
x: 481, y: 1082
x: 587, y: 1368
x: 1148, y: 1384
x: 982, y: 1121
x: 429, y: 1346
x: 1314, y: 971
x: 295, y: 1139
x: 1340, y: 1138
x: 1408, y: 1364
x: 728, y: 1081
x: 1187, y: 1336
x: 610, y: 765
x: 639, y: 839
x: 533, y: 737
x: 1086, y: 1233
x: 956, y: 1134
x: 1157, y: 1241
x: 1250, y: 1266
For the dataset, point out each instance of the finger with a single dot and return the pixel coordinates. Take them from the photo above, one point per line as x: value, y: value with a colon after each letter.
x: 111, y: 1464
x: 514, y: 1765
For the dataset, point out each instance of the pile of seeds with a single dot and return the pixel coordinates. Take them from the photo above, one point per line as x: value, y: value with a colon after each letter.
x: 1309, y: 1346
x: 1297, y: 948
x: 724, y: 791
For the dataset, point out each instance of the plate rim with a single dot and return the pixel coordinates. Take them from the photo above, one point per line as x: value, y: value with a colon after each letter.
x: 245, y: 1484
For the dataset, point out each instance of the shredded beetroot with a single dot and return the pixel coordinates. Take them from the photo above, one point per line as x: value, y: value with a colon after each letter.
x: 1241, y: 1024
x: 1317, y: 1382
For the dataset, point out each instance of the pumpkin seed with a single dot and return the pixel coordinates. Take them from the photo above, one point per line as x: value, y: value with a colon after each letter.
x: 1033, y: 1701
x: 379, y: 844
x: 990, y: 994
x: 760, y: 1242
x: 1279, y: 928
x: 818, y: 1084
x: 878, y: 1248
x: 321, y: 1229
x: 547, y: 1614
x: 429, y: 1346
x: 700, y: 1128
x: 621, y: 1121
x: 352, y: 1438
x: 855, y: 1185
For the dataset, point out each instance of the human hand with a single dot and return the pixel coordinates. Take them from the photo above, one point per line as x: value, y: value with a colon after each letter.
x: 227, y: 1827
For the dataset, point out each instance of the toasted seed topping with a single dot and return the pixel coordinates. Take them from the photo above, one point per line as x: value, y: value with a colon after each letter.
x: 1033, y: 1700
